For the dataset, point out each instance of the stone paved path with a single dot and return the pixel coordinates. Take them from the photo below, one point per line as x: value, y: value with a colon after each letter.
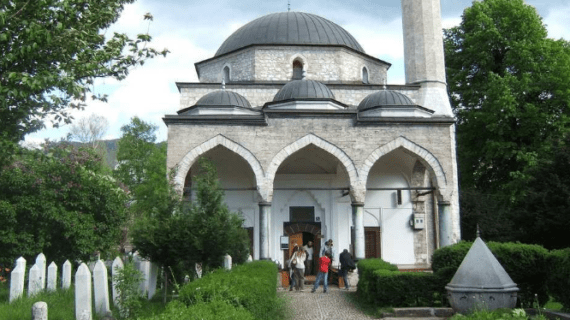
x: 333, y: 305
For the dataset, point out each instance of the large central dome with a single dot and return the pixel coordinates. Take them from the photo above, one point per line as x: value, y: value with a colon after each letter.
x: 289, y: 28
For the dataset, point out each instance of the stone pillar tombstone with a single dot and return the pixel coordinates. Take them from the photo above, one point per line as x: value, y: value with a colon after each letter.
x: 21, y: 261
x: 101, y: 289
x: 358, y: 220
x: 41, y: 263
x: 152, y: 278
x: 117, y: 265
x: 34, y: 281
x: 228, y: 262
x: 83, y: 293
x: 40, y: 311
x: 66, y: 275
x: 52, y: 277
x: 17, y: 281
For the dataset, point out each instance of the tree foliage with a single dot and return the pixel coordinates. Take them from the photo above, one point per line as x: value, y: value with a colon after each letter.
x: 89, y: 129
x: 61, y: 202
x: 510, y: 90
x: 51, y: 51
x: 201, y: 232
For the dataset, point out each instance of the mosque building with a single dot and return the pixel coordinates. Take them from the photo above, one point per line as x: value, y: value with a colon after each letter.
x: 311, y: 142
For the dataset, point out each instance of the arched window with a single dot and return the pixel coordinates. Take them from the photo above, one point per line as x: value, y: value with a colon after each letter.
x: 297, y: 70
x: 226, y: 74
x: 364, y: 75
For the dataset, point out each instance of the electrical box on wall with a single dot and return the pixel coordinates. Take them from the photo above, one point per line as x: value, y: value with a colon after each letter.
x: 418, y: 221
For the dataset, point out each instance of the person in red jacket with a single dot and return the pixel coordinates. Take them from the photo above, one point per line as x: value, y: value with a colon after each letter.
x: 324, y: 263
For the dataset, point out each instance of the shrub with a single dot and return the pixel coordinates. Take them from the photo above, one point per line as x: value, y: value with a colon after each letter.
x: 365, y: 269
x: 214, y: 310
x: 559, y: 277
x: 526, y: 264
x: 403, y: 289
x: 130, y: 298
x: 251, y: 286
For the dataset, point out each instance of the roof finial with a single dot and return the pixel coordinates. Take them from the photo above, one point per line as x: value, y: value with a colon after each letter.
x: 288, y: 5
x: 478, y: 232
x: 223, y: 84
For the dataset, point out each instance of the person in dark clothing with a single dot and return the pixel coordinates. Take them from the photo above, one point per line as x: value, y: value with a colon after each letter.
x: 346, y: 264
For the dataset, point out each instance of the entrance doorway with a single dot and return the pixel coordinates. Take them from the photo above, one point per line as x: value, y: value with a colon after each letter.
x: 302, y: 233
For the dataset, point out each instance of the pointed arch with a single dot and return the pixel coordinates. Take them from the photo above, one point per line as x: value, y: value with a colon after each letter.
x: 319, y: 142
x: 430, y: 161
x: 190, y: 158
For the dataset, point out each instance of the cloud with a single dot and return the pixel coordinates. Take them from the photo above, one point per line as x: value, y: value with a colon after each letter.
x: 557, y: 22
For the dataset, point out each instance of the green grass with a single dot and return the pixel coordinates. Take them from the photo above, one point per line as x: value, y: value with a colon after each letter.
x: 502, y: 314
x: 553, y: 305
x: 60, y: 305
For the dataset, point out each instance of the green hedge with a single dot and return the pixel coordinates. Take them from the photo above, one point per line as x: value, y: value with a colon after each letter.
x: 381, y: 283
x: 526, y: 264
x: 366, y: 267
x: 251, y: 286
x: 559, y: 277
x: 213, y: 310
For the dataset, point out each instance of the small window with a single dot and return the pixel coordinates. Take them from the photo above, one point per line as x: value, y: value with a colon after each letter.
x: 297, y: 70
x: 301, y: 214
x: 226, y: 74
x: 364, y: 75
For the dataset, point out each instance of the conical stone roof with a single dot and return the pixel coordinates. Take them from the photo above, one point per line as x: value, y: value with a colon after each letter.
x: 481, y: 271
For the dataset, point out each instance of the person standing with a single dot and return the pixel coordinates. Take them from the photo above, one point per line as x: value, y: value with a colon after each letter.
x: 298, y: 260
x: 324, y: 263
x: 292, y: 267
x: 346, y: 264
x: 309, y: 262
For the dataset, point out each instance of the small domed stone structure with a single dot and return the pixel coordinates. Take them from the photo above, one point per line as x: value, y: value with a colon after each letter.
x: 303, y: 89
x: 388, y: 103
x: 220, y: 102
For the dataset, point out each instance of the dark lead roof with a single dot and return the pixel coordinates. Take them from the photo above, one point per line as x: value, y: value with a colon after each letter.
x: 385, y: 98
x: 223, y: 98
x: 304, y: 89
x: 289, y: 28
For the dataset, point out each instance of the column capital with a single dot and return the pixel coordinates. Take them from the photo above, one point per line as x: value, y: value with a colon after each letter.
x: 264, y: 204
x: 357, y: 204
x: 443, y: 203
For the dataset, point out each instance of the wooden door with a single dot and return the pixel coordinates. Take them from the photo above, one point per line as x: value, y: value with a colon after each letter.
x: 372, y: 242
x: 295, y: 238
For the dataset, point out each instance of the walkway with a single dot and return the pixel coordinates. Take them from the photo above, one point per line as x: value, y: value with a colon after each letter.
x: 333, y: 305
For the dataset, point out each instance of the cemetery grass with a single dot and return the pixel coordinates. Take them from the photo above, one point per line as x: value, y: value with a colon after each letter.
x: 60, y: 304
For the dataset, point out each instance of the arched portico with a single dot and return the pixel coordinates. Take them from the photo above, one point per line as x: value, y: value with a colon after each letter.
x: 186, y: 163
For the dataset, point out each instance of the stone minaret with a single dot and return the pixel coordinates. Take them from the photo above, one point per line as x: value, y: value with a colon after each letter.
x: 423, y: 51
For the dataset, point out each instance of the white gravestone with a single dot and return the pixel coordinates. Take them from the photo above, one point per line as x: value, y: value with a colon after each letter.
x: 101, y: 289
x: 144, y: 268
x: 117, y: 265
x: 249, y: 258
x: 52, y: 277
x: 198, y: 268
x: 66, y: 275
x: 228, y: 262
x: 17, y: 281
x: 40, y: 311
x: 83, y: 293
x: 41, y: 263
x: 152, y: 278
x: 21, y: 261
x: 34, y: 281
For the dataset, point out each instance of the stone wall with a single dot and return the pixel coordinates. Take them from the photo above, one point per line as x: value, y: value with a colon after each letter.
x: 258, y: 95
x: 326, y: 64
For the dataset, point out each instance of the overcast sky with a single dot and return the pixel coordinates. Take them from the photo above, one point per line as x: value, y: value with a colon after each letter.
x: 193, y: 31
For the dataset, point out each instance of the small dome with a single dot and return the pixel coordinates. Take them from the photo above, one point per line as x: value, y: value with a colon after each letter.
x: 385, y: 98
x: 223, y: 98
x: 289, y: 28
x: 303, y: 89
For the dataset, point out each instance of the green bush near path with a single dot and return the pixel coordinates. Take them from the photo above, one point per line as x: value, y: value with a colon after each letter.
x: 559, y: 277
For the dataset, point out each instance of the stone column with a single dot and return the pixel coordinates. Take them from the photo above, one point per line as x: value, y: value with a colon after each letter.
x: 445, y: 224
x: 264, y: 212
x: 358, y: 222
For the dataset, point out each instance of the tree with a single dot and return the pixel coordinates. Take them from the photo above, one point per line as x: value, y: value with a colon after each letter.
x: 202, y: 232
x: 510, y: 90
x: 60, y: 201
x: 89, y: 129
x: 51, y: 51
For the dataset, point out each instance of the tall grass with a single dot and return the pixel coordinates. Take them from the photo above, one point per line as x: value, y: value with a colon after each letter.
x: 60, y: 305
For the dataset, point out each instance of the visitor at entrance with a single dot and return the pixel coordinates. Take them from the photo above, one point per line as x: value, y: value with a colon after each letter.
x: 328, y: 248
x: 309, y: 262
x: 292, y: 267
x: 298, y: 261
x: 324, y: 264
x: 346, y: 264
